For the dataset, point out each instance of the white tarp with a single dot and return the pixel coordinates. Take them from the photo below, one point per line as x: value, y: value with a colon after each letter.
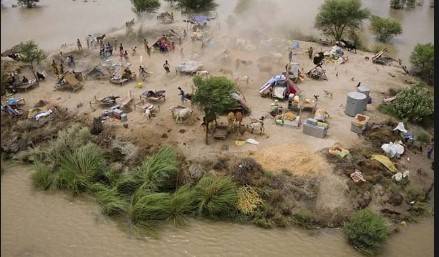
x: 400, y: 127
x: 393, y: 149
x: 279, y: 92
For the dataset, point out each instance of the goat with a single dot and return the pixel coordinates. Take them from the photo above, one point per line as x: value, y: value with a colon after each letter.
x: 180, y: 114
x: 204, y: 73
x: 100, y: 38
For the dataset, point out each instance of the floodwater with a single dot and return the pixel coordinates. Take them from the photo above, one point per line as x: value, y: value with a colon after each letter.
x: 62, y: 21
x: 37, y: 224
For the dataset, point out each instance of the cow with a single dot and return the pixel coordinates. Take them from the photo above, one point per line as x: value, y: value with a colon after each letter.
x: 100, y: 38
x: 203, y: 73
x: 180, y: 113
x: 348, y: 45
x: 318, y: 59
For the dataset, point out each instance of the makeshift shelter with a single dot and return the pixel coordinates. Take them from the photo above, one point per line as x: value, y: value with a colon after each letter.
x: 241, y: 104
x: 279, y: 87
x: 70, y: 80
x: 382, y: 58
x: 98, y: 72
x: 336, y: 52
x: 163, y: 44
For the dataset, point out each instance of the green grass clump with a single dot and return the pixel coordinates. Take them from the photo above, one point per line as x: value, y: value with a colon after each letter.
x: 151, y: 207
x: 42, y: 178
x: 366, y: 231
x: 159, y: 170
x: 182, y: 203
x: 216, y: 196
x: 109, y: 200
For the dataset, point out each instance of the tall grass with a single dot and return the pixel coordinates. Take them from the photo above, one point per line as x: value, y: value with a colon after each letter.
x: 151, y: 207
x: 42, y: 178
x: 216, y: 196
x: 182, y: 202
x: 159, y: 171
x: 110, y: 201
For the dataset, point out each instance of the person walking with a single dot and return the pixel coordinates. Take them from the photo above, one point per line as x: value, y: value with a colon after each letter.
x: 88, y: 41
x: 181, y: 94
x: 145, y: 44
x: 166, y: 66
x: 78, y: 43
x: 134, y: 51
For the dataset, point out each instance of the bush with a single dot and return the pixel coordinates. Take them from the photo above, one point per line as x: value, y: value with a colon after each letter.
x: 196, y: 5
x: 151, y: 207
x: 384, y: 28
x: 248, y: 200
x: 422, y: 60
x: 159, y: 171
x: 412, y: 104
x: 145, y: 5
x: 366, y: 231
x: 109, y: 200
x: 42, y: 178
x: 182, y: 202
x: 216, y: 196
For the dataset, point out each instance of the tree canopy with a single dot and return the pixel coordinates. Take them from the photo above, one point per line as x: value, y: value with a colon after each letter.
x: 338, y: 16
x: 384, y: 28
x: 196, y: 5
x: 27, y: 3
x: 30, y: 52
x: 145, y: 5
x: 422, y: 59
x: 213, y: 96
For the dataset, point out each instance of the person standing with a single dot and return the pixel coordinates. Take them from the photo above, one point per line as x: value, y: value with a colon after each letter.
x: 290, y: 55
x: 88, y: 41
x: 166, y: 66
x: 55, y: 67
x: 121, y: 48
x: 61, y: 69
x: 184, y: 34
x: 310, y: 51
x: 78, y: 43
x: 181, y: 94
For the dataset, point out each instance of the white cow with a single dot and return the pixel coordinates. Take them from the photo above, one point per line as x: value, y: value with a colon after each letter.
x: 180, y: 113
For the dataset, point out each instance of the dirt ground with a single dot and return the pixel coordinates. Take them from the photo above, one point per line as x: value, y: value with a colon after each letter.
x: 280, y: 147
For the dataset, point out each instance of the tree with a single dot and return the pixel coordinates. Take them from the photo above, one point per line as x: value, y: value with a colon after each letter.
x: 27, y: 3
x: 145, y: 5
x: 196, y: 5
x: 397, y: 4
x: 30, y: 53
x: 366, y: 231
x: 337, y: 16
x: 422, y: 59
x: 213, y: 96
x: 384, y: 28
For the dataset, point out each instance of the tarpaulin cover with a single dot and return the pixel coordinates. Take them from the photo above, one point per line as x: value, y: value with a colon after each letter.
x: 200, y: 19
x: 271, y: 82
x: 393, y: 149
x: 384, y: 160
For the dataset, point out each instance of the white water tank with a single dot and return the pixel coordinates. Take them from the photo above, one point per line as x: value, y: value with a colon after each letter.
x: 356, y: 102
x: 365, y: 90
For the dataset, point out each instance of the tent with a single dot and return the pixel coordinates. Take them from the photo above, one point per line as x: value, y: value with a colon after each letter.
x: 200, y: 20
x: 280, y: 87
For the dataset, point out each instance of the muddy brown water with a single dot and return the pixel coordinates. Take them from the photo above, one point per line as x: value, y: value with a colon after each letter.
x: 37, y: 224
x: 62, y: 21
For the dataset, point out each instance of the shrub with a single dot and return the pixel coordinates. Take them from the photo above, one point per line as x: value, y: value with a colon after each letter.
x: 145, y: 5
x: 151, y: 207
x: 248, y: 200
x: 366, y: 231
x: 216, y: 196
x: 304, y: 218
x: 182, y: 202
x: 423, y: 137
x: 159, y: 171
x: 110, y: 201
x: 42, y: 178
x: 384, y: 28
x: 246, y: 170
x: 413, y: 104
x: 422, y: 60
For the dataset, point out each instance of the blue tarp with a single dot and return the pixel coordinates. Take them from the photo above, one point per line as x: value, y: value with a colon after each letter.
x: 295, y: 45
x: 200, y: 19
